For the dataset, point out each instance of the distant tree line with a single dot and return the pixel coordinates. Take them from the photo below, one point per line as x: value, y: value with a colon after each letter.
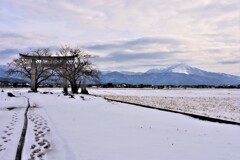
x: 124, y: 85
x: 6, y: 83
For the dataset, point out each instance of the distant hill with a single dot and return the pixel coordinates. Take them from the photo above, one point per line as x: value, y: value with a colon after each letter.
x: 180, y: 74
x: 11, y: 79
x: 3, y: 69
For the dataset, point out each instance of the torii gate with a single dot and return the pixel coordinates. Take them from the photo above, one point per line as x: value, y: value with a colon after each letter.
x: 62, y: 59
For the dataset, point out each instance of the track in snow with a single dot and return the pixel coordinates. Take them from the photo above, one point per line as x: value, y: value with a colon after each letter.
x: 40, y: 144
x: 23, y: 135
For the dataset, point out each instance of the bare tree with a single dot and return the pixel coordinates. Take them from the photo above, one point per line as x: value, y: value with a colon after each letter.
x: 22, y: 67
x: 79, y: 69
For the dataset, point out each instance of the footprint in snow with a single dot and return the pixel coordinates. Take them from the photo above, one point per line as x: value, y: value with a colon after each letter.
x: 41, y: 143
x: 33, y: 146
x: 36, y: 151
x: 7, y: 140
x: 40, y: 155
x: 37, y: 139
x: 47, y: 146
x: 2, y: 149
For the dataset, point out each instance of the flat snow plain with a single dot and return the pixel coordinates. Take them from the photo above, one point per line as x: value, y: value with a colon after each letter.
x: 216, y: 103
x: 91, y: 128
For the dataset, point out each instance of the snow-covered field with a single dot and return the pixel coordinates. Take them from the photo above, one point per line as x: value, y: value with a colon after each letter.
x: 91, y: 128
x: 217, y: 103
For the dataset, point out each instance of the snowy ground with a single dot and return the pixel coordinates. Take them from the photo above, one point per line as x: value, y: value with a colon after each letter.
x: 91, y: 128
x: 11, y: 122
x: 216, y: 103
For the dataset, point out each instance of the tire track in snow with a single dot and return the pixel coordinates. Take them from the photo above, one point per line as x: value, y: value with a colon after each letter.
x: 23, y: 135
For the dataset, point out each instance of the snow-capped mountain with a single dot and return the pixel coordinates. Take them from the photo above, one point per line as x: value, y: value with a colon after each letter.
x: 178, y: 68
x: 180, y: 74
x: 123, y: 72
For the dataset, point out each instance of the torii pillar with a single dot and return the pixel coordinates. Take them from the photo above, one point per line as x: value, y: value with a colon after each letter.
x: 34, y: 65
x: 33, y: 75
x: 65, y: 84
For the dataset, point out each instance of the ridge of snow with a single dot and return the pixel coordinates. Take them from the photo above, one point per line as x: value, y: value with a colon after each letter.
x: 177, y: 68
x: 184, y: 69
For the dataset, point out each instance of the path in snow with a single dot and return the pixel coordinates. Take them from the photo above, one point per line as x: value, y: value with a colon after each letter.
x: 37, y: 141
x: 11, y: 123
x: 24, y: 130
x: 7, y: 129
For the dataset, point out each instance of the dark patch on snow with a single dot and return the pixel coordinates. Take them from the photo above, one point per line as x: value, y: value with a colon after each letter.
x: 71, y: 96
x: 10, y: 108
x: 10, y: 94
x: 82, y: 97
x: 46, y: 92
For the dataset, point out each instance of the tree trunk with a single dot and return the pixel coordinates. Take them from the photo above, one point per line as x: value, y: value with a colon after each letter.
x: 35, y: 89
x: 33, y: 76
x: 74, y: 87
x: 83, y: 87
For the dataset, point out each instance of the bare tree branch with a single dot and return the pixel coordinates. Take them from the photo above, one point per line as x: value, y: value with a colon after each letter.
x: 23, y: 68
x: 76, y: 70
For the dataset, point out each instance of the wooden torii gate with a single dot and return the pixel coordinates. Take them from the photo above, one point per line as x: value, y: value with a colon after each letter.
x: 61, y: 61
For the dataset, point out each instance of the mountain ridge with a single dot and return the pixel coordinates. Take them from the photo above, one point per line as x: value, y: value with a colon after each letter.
x: 179, y: 74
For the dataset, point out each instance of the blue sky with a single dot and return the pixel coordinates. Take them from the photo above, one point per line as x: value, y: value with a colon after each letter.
x: 133, y: 35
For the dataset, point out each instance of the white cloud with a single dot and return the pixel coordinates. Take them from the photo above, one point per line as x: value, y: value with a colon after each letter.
x: 207, y: 31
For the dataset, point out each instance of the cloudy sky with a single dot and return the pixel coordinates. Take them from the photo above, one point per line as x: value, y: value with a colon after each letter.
x: 132, y: 35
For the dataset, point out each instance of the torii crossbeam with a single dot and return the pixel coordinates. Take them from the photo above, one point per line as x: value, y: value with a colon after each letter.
x: 33, y: 58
